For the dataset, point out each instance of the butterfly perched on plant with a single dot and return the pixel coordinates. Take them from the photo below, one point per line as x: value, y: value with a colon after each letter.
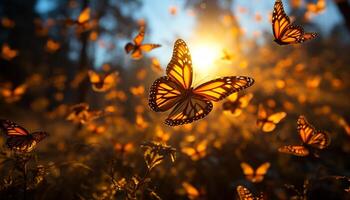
x: 257, y: 175
x: 245, y: 194
x: 13, y: 95
x: 284, y: 31
x: 235, y: 104
x: 137, y: 48
x: 175, y: 90
x: 267, y: 123
x: 102, y: 83
x: 310, y: 137
x: 81, y: 113
x: 18, y: 138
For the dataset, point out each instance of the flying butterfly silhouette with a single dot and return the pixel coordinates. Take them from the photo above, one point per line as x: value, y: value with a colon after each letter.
x: 13, y: 95
x: 137, y: 48
x: 175, y: 89
x: 310, y: 137
x: 236, y: 104
x: 102, y: 83
x: 81, y: 113
x: 245, y: 194
x: 267, y: 123
x: 257, y: 175
x: 7, y: 53
x: 18, y: 138
x: 284, y: 31
x: 197, y: 152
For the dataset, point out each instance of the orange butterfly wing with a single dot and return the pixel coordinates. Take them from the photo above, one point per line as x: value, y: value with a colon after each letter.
x: 296, y: 150
x: 179, y: 68
x: 220, y: 88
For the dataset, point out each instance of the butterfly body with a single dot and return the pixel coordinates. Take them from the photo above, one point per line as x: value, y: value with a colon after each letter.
x: 18, y: 138
x: 284, y: 31
x: 257, y: 175
x: 189, y: 103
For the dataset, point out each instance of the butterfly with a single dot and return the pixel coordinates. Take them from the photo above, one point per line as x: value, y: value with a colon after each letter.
x: 124, y: 148
x: 197, y: 152
x: 52, y: 46
x: 7, y: 53
x: 236, y: 104
x: 267, y: 123
x: 137, y: 47
x: 137, y: 90
x: 81, y: 113
x: 156, y: 67
x: 191, y: 191
x: 245, y: 194
x: 284, y: 31
x: 310, y: 137
x: 257, y: 175
x: 175, y: 89
x: 102, y: 83
x: 13, y: 95
x: 18, y: 138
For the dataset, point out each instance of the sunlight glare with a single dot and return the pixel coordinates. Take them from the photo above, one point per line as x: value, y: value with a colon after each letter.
x: 204, y: 56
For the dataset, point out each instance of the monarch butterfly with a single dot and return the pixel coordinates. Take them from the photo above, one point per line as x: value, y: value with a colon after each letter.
x: 197, y: 152
x: 137, y: 47
x: 284, y: 31
x: 245, y: 194
x: 191, y: 191
x: 52, y: 46
x: 175, y: 89
x: 81, y: 113
x: 236, y: 104
x: 7, y: 53
x: 257, y: 175
x: 310, y: 137
x: 102, y: 83
x: 82, y: 19
x: 11, y: 96
x: 137, y: 90
x: 156, y: 67
x: 124, y: 148
x: 18, y: 138
x: 268, y: 123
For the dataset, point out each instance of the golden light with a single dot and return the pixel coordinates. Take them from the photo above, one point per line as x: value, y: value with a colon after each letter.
x: 204, y: 56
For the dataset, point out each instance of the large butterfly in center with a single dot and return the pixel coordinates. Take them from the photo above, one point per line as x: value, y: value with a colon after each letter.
x: 175, y: 91
x: 284, y: 31
x: 18, y: 138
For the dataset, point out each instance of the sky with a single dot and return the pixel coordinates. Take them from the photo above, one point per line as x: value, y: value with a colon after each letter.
x: 164, y: 28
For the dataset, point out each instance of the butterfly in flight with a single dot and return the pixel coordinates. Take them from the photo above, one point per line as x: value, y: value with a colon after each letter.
x: 245, y: 194
x: 7, y: 53
x: 236, y: 104
x: 284, y: 31
x: 175, y: 89
x: 267, y: 123
x: 81, y: 113
x: 255, y: 176
x: 137, y: 48
x: 13, y: 95
x: 197, y: 152
x: 18, y: 138
x: 310, y: 137
x: 102, y: 83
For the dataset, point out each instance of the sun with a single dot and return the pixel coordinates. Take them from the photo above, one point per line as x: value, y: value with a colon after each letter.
x: 204, y: 56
